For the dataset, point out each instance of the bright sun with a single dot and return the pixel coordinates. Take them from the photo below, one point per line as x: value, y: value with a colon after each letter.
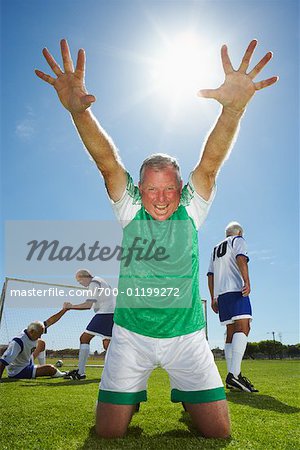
x: 179, y: 69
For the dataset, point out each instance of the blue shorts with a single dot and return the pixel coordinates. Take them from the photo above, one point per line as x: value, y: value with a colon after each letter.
x: 27, y: 372
x: 101, y: 325
x: 233, y: 306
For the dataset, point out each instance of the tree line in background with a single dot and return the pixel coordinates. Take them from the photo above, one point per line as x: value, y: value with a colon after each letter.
x: 269, y: 349
x: 70, y: 353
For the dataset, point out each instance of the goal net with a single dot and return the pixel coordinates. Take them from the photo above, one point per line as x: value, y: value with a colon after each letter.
x: 24, y: 301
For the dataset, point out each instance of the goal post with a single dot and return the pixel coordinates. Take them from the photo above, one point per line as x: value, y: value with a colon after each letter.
x: 2, y: 298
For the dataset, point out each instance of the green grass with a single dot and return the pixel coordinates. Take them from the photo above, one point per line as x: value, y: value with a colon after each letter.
x: 59, y: 414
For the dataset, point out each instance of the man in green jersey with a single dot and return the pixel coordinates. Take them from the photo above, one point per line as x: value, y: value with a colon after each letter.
x: 158, y: 316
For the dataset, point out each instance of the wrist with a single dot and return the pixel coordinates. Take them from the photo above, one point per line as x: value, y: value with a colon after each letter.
x: 81, y: 115
x: 232, y: 112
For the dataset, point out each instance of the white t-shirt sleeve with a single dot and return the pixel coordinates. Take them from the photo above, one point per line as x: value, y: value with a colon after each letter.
x: 94, y: 291
x: 239, y: 247
x: 11, y: 352
x: 129, y: 204
x: 198, y: 207
x: 103, y: 298
x: 211, y: 266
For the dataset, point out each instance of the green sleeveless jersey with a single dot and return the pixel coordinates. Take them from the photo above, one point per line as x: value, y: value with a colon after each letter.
x: 158, y: 291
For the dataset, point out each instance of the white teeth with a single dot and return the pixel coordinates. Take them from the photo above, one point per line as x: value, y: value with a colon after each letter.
x: 160, y: 207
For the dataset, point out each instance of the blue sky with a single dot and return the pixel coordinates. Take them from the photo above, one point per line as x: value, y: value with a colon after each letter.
x: 47, y: 175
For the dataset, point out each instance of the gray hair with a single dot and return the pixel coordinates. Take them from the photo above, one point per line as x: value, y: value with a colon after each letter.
x: 233, y: 229
x: 36, y: 326
x: 160, y: 161
x: 83, y: 273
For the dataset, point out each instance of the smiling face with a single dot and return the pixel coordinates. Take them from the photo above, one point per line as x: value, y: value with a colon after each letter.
x: 160, y: 191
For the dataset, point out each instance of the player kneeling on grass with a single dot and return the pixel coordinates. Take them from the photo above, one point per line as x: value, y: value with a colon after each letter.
x: 155, y: 330
x: 21, y: 351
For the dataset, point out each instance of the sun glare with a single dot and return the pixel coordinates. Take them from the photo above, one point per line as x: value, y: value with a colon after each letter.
x: 180, y: 67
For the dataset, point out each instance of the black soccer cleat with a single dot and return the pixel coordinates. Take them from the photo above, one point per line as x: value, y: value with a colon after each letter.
x: 241, y: 383
x: 248, y: 383
x: 237, y: 383
x: 81, y: 376
x: 74, y: 375
x: 70, y: 375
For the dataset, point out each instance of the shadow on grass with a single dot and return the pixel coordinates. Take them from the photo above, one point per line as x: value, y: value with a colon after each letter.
x: 169, y: 439
x: 53, y: 382
x: 261, y: 402
x: 67, y: 383
x: 8, y: 380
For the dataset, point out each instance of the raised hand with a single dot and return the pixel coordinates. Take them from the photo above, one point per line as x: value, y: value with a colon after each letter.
x: 239, y: 87
x: 69, y: 84
x: 67, y: 305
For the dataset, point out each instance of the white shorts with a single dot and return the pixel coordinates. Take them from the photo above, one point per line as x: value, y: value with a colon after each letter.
x: 131, y: 358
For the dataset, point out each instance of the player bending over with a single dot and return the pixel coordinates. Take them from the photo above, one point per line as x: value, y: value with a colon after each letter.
x: 103, y: 302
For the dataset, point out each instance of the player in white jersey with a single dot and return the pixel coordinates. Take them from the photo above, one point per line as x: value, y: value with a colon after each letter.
x: 19, y: 356
x: 162, y: 198
x: 101, y: 298
x: 229, y: 286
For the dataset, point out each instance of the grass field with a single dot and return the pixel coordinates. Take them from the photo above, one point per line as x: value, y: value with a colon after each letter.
x: 59, y: 414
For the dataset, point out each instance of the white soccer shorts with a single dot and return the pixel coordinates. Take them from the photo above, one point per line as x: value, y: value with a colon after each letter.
x: 131, y: 357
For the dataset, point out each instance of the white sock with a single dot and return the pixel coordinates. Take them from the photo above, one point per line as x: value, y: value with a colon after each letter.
x: 239, y: 344
x: 42, y: 358
x: 84, y: 352
x: 228, y: 355
x: 58, y: 374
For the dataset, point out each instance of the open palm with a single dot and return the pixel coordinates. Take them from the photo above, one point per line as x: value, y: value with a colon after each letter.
x: 69, y: 84
x: 239, y: 87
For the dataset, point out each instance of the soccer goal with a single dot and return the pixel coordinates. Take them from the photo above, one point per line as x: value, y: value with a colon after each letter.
x: 24, y: 301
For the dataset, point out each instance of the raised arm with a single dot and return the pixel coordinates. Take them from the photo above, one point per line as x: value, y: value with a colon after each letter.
x: 53, y: 319
x: 234, y: 95
x: 71, y: 90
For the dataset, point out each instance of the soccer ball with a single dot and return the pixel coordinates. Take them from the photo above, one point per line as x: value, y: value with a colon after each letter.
x: 59, y: 363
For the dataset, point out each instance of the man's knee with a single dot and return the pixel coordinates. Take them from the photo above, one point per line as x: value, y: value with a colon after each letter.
x: 112, y: 420
x: 242, y: 326
x: 106, y: 433
x: 105, y: 343
x: 85, y: 338
x: 222, y: 431
x: 210, y: 419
